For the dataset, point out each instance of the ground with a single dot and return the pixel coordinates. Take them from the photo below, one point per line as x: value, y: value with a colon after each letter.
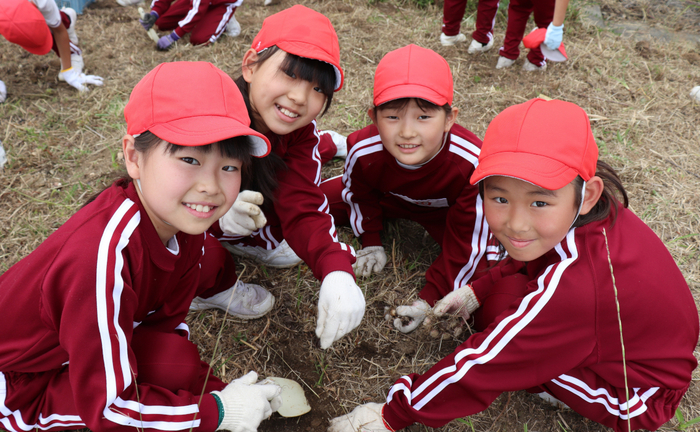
x: 63, y: 147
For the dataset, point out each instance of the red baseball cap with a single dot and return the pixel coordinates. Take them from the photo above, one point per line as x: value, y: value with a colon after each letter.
x: 413, y: 72
x: 546, y: 143
x: 303, y: 32
x: 21, y: 23
x: 190, y: 104
x: 536, y: 39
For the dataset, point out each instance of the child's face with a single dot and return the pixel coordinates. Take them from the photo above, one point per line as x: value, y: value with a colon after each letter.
x: 527, y: 219
x: 412, y: 135
x: 187, y: 190
x: 280, y: 103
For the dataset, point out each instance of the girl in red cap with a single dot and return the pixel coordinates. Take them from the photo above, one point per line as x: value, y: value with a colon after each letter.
x: 566, y: 313
x: 94, y: 331
x: 414, y: 162
x: 288, y: 78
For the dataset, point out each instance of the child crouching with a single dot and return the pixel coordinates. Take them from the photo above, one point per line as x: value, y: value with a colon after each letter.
x: 94, y: 331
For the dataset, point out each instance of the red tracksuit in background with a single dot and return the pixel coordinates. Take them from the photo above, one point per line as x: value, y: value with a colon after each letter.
x: 205, y: 20
x: 518, y: 13
x: 453, y: 12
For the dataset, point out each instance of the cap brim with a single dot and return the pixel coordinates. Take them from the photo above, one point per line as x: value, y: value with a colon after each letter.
x: 197, y: 131
x: 557, y: 55
x: 539, y: 170
x: 410, y: 91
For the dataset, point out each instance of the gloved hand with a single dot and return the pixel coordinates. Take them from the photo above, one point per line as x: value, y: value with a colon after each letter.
x: 166, y: 42
x: 554, y: 36
x: 341, y: 306
x: 369, y: 259
x: 148, y: 20
x: 244, y: 216
x: 364, y: 418
x: 462, y: 302
x: 246, y: 403
x: 79, y: 80
x: 416, y: 314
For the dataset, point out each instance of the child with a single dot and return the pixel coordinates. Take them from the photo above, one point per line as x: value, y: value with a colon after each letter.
x: 546, y: 13
x: 289, y: 76
x: 94, y: 331
x: 414, y: 162
x: 25, y: 23
x: 205, y: 20
x: 550, y: 321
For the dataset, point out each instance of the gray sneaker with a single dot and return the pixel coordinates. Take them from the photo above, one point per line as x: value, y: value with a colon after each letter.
x: 280, y: 257
x: 245, y: 301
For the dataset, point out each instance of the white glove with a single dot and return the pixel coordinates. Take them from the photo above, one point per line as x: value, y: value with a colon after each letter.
x: 244, y: 216
x: 341, y: 306
x: 370, y: 259
x: 364, y: 418
x: 3, y: 92
x: 246, y: 403
x: 79, y: 80
x: 416, y: 312
x: 554, y: 36
x: 462, y: 302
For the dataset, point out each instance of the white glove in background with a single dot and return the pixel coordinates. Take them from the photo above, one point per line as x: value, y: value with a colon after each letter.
x: 244, y: 216
x: 341, y: 306
x: 371, y: 259
x: 79, y: 80
x: 462, y: 302
x: 365, y: 418
x: 246, y: 403
x: 415, y: 312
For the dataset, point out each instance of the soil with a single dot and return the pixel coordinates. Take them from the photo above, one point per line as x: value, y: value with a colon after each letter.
x: 676, y: 15
x: 63, y: 147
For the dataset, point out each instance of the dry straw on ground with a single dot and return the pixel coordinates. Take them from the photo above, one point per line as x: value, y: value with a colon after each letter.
x: 63, y: 147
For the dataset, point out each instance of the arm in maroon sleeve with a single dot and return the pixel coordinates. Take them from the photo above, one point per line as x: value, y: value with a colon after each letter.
x: 362, y: 197
x: 550, y: 331
x: 194, y: 15
x: 95, y: 324
x: 304, y: 211
x: 463, y: 248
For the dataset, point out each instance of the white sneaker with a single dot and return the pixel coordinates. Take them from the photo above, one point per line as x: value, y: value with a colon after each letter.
x: 280, y: 257
x: 268, y: 2
x: 71, y: 28
x: 553, y: 401
x: 3, y: 92
x: 504, y: 62
x: 340, y: 141
x: 476, y: 47
x: 246, y: 301
x: 76, y: 62
x: 530, y: 67
x: 233, y: 28
x: 452, y: 40
x: 128, y: 2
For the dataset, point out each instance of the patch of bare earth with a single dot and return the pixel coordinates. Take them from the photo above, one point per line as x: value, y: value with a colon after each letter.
x: 63, y: 147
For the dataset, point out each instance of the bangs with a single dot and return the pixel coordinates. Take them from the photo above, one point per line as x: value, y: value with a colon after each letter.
x: 237, y: 148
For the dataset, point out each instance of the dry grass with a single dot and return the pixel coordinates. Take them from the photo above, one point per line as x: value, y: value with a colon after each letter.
x: 63, y: 147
